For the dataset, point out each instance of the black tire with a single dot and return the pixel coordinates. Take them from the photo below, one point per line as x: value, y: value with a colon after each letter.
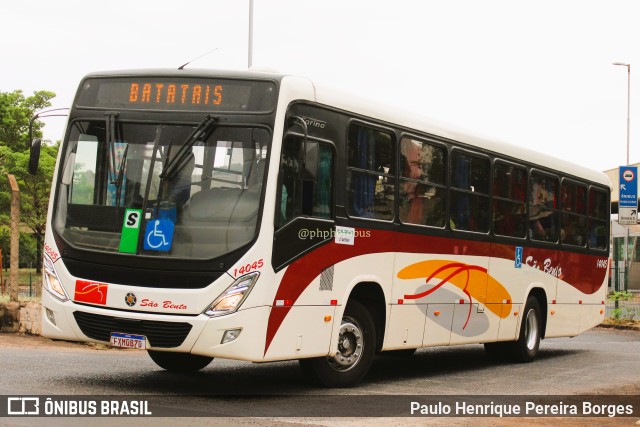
x: 526, y: 348
x: 179, y: 362
x: 354, y: 354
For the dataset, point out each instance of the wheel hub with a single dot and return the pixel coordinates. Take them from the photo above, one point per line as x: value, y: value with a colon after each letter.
x: 350, y: 345
x: 531, y: 331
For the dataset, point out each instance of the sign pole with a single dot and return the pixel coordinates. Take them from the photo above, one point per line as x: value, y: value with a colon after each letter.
x: 627, y: 209
x: 15, y: 238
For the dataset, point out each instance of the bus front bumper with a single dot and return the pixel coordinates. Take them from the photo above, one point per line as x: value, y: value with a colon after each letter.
x: 225, y: 336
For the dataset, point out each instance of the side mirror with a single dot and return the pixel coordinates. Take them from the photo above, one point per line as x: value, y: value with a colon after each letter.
x: 34, y: 156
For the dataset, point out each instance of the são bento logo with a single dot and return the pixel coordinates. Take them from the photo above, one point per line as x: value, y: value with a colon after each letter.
x: 130, y: 299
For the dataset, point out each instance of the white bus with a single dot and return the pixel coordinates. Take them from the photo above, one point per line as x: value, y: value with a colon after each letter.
x: 261, y: 217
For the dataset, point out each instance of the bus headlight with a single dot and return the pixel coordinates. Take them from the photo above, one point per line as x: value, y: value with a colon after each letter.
x: 233, y: 297
x: 51, y: 280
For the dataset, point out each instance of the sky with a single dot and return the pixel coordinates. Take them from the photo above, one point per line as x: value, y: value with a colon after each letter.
x: 533, y: 73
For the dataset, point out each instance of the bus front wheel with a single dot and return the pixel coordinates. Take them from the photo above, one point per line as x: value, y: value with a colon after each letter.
x: 179, y: 362
x: 352, y: 358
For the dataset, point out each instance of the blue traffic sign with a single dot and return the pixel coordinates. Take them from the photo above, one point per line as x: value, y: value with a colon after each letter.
x: 158, y: 235
x: 628, y: 187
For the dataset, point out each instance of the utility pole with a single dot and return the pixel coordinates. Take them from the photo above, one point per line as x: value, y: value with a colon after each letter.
x: 627, y: 263
x: 250, y: 48
x: 14, y: 262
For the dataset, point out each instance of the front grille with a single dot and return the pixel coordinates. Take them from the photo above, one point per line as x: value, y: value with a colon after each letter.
x: 160, y: 334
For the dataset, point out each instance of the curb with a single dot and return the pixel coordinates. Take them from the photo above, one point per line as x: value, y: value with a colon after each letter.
x: 619, y: 327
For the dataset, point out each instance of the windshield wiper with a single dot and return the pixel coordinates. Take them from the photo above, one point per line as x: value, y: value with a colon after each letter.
x: 110, y: 133
x: 175, y: 163
x: 123, y: 161
x: 116, y: 173
x: 200, y: 133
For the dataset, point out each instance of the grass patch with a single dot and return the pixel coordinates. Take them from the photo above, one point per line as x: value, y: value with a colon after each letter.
x: 622, y: 322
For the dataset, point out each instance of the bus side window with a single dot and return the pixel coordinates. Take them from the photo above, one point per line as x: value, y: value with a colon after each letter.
x: 470, y: 203
x: 543, y: 206
x: 598, y: 219
x: 370, y: 173
x: 574, y: 214
x: 509, y: 207
x: 422, y: 183
x: 306, y: 190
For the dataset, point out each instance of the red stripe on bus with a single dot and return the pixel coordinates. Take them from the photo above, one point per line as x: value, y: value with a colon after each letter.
x: 573, y: 268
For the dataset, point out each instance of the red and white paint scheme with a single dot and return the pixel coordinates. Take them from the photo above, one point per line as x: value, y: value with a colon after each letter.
x: 282, y: 220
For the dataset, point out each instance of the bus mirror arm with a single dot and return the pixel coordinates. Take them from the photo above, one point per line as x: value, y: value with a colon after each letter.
x: 297, y: 120
x: 35, y: 144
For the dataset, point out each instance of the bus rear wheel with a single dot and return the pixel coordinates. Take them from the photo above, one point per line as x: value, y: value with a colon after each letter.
x: 352, y: 358
x: 525, y: 349
x: 179, y: 362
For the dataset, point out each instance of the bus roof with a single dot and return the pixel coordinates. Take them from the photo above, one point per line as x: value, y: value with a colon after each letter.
x: 330, y: 96
x: 188, y: 72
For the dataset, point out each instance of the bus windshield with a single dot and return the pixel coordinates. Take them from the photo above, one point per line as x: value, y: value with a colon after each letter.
x: 114, y: 197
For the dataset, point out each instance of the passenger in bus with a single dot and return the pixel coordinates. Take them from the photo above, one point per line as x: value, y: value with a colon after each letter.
x: 412, y: 208
x: 542, y: 221
x: 542, y: 226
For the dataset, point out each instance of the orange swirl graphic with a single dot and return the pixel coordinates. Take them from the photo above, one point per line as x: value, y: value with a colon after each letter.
x: 473, y: 280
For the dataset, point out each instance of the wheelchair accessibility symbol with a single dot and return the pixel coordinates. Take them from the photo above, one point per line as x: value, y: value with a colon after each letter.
x: 518, y: 260
x: 158, y: 235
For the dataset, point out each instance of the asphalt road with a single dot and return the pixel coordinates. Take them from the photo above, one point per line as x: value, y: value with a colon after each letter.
x: 602, y: 361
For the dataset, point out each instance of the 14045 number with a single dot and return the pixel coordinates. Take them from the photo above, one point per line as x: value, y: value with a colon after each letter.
x: 248, y: 268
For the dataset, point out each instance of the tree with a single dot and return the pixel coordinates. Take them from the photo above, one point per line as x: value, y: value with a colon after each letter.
x: 34, y: 192
x: 15, y: 113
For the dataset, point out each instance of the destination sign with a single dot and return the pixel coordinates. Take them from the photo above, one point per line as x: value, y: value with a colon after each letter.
x: 177, y: 94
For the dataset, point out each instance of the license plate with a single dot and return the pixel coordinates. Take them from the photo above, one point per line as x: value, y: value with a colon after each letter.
x: 121, y: 340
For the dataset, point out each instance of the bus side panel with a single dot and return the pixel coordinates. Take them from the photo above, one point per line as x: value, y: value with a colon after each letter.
x: 327, y: 294
x: 406, y: 326
x: 437, y: 330
x: 509, y: 322
x: 580, y: 295
x: 563, y: 320
x: 453, y: 286
x: 591, y: 315
x: 473, y: 323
